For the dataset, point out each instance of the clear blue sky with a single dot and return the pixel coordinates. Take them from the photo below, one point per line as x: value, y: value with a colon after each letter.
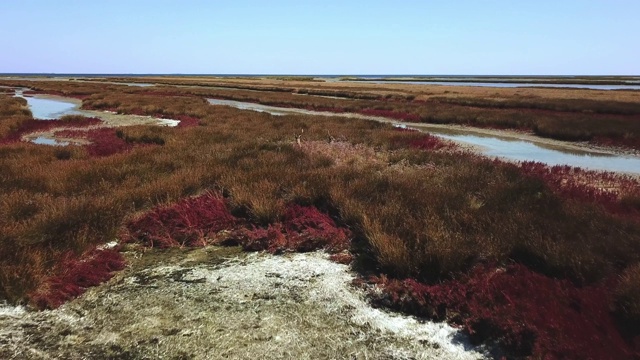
x: 542, y: 37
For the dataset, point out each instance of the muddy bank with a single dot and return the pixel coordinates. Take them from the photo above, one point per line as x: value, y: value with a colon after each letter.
x: 215, y: 303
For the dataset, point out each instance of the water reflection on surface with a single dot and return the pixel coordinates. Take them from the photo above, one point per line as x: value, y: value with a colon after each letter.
x: 49, y: 109
x: 527, y: 151
x: 42, y: 140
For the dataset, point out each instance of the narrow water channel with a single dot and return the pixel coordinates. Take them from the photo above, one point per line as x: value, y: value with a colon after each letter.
x: 492, y: 146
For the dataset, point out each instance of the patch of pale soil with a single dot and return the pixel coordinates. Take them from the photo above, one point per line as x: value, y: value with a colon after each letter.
x: 7, y: 310
x: 111, y: 119
x: 200, y: 305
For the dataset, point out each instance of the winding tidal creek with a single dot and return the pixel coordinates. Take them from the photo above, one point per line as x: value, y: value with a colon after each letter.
x: 505, y: 147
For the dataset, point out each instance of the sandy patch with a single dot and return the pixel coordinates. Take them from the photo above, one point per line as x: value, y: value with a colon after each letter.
x: 196, y: 305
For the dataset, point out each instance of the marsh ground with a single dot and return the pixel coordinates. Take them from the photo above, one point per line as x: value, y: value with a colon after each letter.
x: 221, y: 303
x: 416, y: 217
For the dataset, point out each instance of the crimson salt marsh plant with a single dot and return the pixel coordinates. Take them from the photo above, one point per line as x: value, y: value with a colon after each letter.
x: 74, y: 274
x: 303, y: 228
x: 187, y: 223
x: 531, y: 315
x: 613, y: 191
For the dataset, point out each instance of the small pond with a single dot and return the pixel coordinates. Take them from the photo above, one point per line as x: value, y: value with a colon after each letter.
x: 42, y: 140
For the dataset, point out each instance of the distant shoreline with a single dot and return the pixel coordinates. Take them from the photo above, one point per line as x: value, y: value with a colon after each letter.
x: 621, y: 80
x: 611, y: 80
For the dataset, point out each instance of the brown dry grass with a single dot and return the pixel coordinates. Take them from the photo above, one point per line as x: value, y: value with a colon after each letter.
x: 415, y: 213
x: 628, y: 295
x: 13, y: 111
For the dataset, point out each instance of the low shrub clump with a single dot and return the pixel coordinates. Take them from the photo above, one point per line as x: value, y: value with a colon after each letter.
x: 102, y: 141
x: 187, y: 223
x: 13, y: 106
x: 149, y: 139
x: 74, y: 274
x: 303, y: 228
x: 206, y: 219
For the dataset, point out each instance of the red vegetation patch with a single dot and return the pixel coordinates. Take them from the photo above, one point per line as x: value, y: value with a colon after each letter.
x: 528, y: 313
x: 187, y: 121
x: 76, y: 275
x: 192, y: 221
x: 619, y: 141
x: 429, y: 142
x: 309, y: 229
x: 424, y: 141
x: 304, y: 228
x: 103, y: 141
x: 186, y: 223
x: 271, y: 239
x: 602, y: 188
x: 75, y: 134
x: 31, y: 126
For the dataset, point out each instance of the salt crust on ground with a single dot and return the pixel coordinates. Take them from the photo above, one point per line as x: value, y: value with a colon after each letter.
x: 300, y: 306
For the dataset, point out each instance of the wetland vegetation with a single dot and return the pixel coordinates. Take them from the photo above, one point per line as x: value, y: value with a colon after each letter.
x: 601, y: 117
x: 542, y: 260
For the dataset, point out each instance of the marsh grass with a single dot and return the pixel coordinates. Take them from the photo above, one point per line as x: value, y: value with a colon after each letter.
x: 600, y: 119
x: 628, y: 297
x: 13, y: 112
x: 412, y: 208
